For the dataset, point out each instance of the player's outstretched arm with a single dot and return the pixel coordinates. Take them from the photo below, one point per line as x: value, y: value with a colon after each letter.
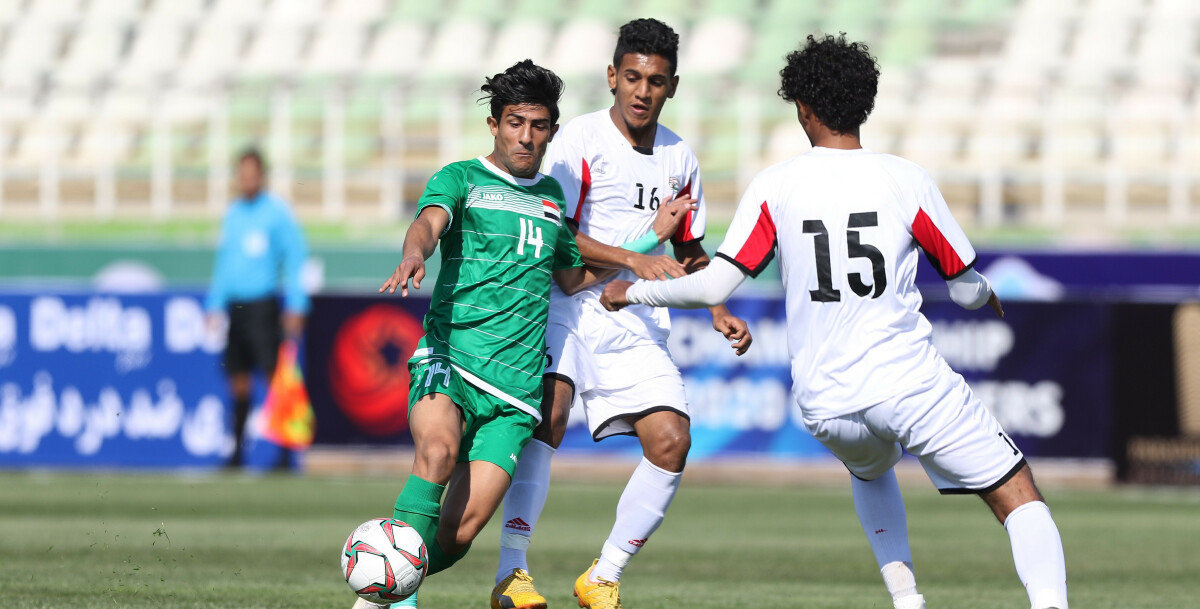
x: 571, y: 280
x: 694, y: 259
x: 600, y: 255
x: 419, y: 244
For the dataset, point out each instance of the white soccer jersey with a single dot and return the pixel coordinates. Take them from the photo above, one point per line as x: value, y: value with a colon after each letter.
x: 613, y: 191
x: 847, y: 225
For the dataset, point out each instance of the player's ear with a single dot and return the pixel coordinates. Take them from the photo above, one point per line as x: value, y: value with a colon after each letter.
x: 612, y: 77
x: 494, y: 125
x: 674, y: 85
x: 804, y: 113
x: 553, y: 130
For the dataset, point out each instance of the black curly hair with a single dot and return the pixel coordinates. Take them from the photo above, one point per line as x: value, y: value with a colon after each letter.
x: 647, y: 37
x: 523, y: 83
x: 837, y: 79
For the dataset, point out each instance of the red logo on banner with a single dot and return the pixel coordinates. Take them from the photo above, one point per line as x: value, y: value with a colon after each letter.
x: 368, y: 369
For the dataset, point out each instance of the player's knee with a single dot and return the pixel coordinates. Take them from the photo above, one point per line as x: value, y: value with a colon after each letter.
x: 436, y: 455
x: 1017, y: 491
x: 669, y: 449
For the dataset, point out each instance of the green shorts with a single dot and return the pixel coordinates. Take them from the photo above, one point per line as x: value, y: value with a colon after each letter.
x: 494, y: 430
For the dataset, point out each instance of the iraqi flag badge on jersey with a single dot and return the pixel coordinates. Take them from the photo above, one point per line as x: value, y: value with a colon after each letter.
x: 551, y: 211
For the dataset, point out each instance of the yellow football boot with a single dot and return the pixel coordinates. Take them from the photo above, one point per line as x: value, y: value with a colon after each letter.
x: 597, y: 595
x: 517, y: 592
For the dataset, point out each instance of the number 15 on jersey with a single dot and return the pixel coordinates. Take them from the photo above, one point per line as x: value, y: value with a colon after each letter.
x: 825, y: 291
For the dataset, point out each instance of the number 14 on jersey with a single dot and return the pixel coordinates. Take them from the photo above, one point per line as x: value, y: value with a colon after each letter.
x: 531, y: 235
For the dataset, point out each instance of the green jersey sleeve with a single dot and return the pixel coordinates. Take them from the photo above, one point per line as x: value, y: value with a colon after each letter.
x: 566, y: 252
x: 447, y: 189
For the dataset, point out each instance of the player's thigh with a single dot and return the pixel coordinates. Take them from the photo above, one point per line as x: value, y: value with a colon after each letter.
x: 436, y: 423
x: 866, y: 452
x: 472, y: 497
x: 568, y: 357
x: 557, y: 398
x: 959, y: 443
x: 498, y: 438
x: 631, y: 384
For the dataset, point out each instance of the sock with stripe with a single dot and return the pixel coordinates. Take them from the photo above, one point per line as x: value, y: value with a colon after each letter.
x: 523, y: 506
x: 880, y: 509
x: 639, y: 512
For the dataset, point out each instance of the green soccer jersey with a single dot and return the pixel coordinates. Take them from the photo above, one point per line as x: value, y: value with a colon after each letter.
x: 488, y: 315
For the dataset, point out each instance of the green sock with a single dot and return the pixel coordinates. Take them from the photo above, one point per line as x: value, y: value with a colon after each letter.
x: 439, y: 560
x: 419, y: 505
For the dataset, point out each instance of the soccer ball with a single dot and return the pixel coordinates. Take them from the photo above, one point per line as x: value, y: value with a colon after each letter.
x: 384, y: 561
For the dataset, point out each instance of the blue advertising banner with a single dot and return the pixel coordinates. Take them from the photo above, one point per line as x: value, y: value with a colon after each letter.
x: 1044, y: 371
x: 97, y: 380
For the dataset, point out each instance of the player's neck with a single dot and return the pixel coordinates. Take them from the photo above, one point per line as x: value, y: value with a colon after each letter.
x: 826, y: 138
x: 639, y: 138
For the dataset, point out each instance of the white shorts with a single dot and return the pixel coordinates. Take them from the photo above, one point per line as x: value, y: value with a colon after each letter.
x: 614, y: 385
x: 959, y: 443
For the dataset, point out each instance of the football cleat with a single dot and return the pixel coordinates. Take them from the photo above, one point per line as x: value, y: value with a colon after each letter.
x: 517, y: 592
x: 601, y: 594
x: 914, y: 601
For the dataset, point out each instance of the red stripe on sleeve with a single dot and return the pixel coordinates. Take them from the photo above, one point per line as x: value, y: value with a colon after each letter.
x: 584, y: 187
x: 683, y: 233
x: 935, y: 244
x: 758, y: 247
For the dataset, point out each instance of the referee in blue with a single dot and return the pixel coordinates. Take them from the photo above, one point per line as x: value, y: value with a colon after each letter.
x: 260, y: 253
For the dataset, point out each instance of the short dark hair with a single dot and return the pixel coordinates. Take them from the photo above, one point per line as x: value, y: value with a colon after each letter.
x: 648, y: 37
x: 523, y: 83
x: 252, y: 153
x: 837, y: 79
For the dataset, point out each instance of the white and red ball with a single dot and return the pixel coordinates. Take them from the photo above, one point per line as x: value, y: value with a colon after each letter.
x: 384, y: 560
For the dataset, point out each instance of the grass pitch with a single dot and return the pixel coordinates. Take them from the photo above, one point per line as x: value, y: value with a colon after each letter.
x: 141, y: 541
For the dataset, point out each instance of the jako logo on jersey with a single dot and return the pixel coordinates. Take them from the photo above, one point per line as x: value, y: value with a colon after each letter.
x: 491, y: 196
x: 637, y: 543
x: 518, y: 525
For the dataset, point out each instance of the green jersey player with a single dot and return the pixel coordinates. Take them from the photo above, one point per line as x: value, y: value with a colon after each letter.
x: 476, y: 381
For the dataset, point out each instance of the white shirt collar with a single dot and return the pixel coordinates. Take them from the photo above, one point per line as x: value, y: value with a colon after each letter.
x: 511, y: 179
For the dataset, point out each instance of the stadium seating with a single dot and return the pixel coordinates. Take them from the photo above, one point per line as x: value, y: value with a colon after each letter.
x: 1076, y: 113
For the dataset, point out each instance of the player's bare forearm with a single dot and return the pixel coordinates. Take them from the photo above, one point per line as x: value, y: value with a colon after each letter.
x: 419, y: 243
x: 422, y: 235
x: 573, y: 279
x: 599, y: 255
x: 692, y: 256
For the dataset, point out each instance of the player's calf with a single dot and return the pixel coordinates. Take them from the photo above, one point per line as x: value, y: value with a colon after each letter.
x: 1036, y: 544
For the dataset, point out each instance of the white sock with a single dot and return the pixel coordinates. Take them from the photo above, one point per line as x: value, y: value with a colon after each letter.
x: 1038, y: 554
x: 639, y: 512
x: 523, y: 505
x: 880, y: 509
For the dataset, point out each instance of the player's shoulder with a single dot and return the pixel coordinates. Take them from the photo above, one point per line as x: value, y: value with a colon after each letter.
x: 902, y: 168
x: 582, y: 128
x: 668, y: 139
x: 551, y: 187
